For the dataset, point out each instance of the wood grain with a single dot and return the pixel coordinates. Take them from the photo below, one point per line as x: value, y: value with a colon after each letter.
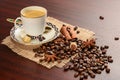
x: 84, y: 13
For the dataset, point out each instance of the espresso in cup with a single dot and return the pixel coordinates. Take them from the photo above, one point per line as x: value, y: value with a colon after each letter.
x: 33, y: 20
x: 33, y: 13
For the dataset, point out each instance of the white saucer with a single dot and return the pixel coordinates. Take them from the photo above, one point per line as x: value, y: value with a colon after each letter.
x: 51, y: 35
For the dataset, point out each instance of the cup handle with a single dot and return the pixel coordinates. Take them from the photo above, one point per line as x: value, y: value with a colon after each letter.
x: 18, y: 22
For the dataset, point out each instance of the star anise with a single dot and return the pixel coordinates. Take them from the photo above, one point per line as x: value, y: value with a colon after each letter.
x: 89, y: 43
x: 50, y: 57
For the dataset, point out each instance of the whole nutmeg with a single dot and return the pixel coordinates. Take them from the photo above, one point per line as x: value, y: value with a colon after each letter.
x: 73, y: 46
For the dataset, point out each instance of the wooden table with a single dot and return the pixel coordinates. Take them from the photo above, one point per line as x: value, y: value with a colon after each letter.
x: 84, y: 13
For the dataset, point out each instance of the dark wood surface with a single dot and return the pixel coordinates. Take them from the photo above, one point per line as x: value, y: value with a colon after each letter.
x: 84, y: 13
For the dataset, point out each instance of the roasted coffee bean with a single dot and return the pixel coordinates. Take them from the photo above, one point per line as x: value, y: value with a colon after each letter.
x: 106, y: 47
x: 98, y: 71
x: 81, y: 77
x: 107, y: 70
x: 109, y: 56
x: 38, y: 55
x: 62, y: 51
x: 66, y: 67
x: 85, y: 75
x: 76, y: 67
x: 63, y: 25
x: 76, y: 74
x: 75, y: 63
x: 110, y: 60
x: 48, y: 48
x: 72, y: 53
x: 106, y: 65
x: 76, y: 60
x: 75, y: 28
x: 104, y: 51
x: 102, y: 67
x: 78, y: 32
x: 101, y: 48
x: 116, y: 38
x: 35, y: 50
x: 90, y: 71
x: 80, y: 70
x: 49, y: 52
x: 43, y: 38
x: 92, y: 75
x: 41, y: 60
x: 74, y: 40
x: 71, y: 67
x: 52, y: 47
x: 90, y: 55
x: 101, y: 18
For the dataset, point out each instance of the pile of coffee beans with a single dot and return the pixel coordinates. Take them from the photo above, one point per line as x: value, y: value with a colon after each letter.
x: 89, y: 62
x: 60, y: 47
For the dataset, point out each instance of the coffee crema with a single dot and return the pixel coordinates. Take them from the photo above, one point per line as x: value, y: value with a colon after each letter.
x: 33, y: 13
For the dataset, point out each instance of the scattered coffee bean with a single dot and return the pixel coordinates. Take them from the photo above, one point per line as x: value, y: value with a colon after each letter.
x: 104, y: 51
x: 101, y: 18
x: 116, y: 38
x: 81, y: 77
x: 38, y: 55
x: 107, y: 70
x: 98, y: 71
x: 92, y: 75
x: 101, y: 48
x: 71, y: 67
x: 75, y: 28
x: 106, y: 47
x: 102, y: 67
x: 109, y: 56
x: 106, y: 65
x: 110, y: 60
x: 76, y: 74
x: 85, y: 75
x: 78, y: 32
x: 43, y: 37
x: 41, y: 60
x: 35, y: 50
x: 66, y: 67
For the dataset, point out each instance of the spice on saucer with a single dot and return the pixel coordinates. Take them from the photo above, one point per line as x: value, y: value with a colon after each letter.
x: 26, y: 39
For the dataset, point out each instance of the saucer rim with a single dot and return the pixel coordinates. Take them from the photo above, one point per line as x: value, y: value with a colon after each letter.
x: 57, y: 33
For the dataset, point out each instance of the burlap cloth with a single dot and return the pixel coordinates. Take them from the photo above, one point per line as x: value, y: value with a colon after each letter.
x: 26, y: 51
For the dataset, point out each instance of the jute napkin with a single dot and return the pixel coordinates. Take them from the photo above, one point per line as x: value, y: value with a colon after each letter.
x: 26, y: 51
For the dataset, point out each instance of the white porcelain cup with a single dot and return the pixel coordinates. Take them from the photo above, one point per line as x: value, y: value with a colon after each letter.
x: 33, y: 26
